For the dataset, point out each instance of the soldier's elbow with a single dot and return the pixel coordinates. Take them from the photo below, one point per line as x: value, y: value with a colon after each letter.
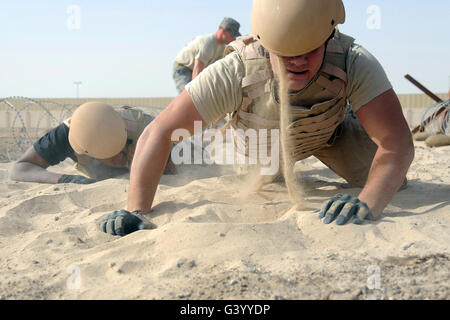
x: 155, y: 133
x: 16, y: 172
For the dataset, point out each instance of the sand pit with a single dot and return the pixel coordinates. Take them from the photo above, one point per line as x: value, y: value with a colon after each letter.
x: 214, y: 241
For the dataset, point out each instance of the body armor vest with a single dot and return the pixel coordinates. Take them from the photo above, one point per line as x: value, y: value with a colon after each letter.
x: 317, y: 110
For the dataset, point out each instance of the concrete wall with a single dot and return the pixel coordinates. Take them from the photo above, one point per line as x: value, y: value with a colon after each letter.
x: 35, y: 118
x: 30, y: 119
x: 137, y: 102
x: 407, y: 101
x: 419, y: 100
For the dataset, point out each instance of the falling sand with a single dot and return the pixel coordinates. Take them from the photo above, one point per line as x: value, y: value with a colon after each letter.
x: 294, y: 189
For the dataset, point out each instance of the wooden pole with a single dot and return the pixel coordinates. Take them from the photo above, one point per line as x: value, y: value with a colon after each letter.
x: 425, y: 90
x: 422, y: 126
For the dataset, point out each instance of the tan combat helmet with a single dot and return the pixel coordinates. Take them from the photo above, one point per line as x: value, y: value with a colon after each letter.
x: 291, y: 28
x: 97, y: 130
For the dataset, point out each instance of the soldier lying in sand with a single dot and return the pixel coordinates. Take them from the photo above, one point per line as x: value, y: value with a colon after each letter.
x: 100, y: 140
x: 368, y: 144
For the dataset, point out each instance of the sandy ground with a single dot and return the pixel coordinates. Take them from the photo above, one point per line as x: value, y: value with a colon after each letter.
x: 218, y: 240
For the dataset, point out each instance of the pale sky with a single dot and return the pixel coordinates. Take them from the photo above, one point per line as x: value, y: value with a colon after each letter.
x: 126, y: 48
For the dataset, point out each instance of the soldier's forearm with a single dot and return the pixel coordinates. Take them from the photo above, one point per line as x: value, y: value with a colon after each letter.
x: 148, y: 165
x: 387, y: 174
x: 28, y: 172
x: 198, y: 67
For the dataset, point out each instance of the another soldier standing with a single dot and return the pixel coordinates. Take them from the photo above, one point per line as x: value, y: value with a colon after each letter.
x: 203, y: 51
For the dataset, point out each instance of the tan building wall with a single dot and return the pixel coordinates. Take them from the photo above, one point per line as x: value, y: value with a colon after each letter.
x: 158, y: 103
x: 419, y: 100
x: 137, y: 102
x: 407, y: 101
x: 30, y: 115
x: 27, y: 120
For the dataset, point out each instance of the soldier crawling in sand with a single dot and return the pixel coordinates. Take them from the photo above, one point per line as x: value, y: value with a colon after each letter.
x: 342, y: 110
x: 203, y: 51
x: 99, y: 139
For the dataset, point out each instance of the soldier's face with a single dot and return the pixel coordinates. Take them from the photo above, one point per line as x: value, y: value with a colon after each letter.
x: 225, y: 36
x: 228, y: 37
x: 118, y: 161
x: 300, y: 70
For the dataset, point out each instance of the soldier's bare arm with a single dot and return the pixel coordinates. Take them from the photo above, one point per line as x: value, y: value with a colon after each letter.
x: 31, y: 167
x: 153, y: 150
x: 383, y: 120
x: 198, y: 67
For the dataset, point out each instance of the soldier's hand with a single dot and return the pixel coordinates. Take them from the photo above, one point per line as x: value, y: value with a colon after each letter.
x: 123, y: 222
x: 67, y: 178
x: 344, y: 208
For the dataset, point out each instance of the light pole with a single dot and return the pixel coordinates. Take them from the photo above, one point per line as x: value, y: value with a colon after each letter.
x: 78, y: 83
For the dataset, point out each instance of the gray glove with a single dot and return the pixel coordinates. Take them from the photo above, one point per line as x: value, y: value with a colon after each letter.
x: 123, y: 222
x: 67, y: 178
x: 342, y: 208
